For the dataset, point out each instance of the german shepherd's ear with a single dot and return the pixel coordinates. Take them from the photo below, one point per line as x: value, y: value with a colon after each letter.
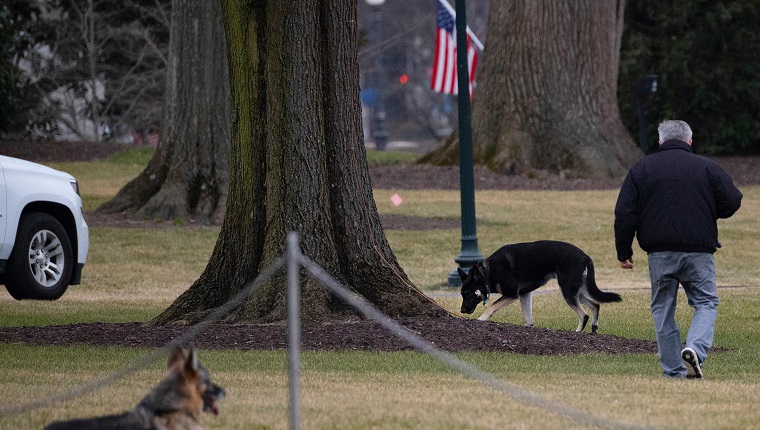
x: 176, y: 358
x: 462, y: 274
x: 192, y: 363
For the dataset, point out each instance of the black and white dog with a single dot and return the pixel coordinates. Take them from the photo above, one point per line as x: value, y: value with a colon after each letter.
x: 516, y: 270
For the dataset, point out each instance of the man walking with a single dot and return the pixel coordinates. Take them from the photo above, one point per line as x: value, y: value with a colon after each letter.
x: 671, y: 201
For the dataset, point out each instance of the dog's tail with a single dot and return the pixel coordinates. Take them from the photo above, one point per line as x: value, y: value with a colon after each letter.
x: 598, y: 295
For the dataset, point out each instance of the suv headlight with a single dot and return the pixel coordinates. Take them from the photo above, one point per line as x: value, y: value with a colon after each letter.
x: 75, y: 186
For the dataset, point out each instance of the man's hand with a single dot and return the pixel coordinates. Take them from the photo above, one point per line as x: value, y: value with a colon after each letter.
x: 627, y: 264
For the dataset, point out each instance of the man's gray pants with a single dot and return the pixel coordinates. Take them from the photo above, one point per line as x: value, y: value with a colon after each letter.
x: 696, y: 272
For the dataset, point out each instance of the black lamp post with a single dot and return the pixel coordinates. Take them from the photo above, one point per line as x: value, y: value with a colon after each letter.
x: 380, y: 133
x: 645, y: 87
x: 469, y: 254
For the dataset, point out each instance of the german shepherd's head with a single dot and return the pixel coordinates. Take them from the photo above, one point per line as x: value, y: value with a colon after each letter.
x: 475, y: 288
x: 177, y: 402
x: 187, y: 387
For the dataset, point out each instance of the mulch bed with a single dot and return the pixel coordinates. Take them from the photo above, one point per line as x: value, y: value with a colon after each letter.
x: 450, y: 333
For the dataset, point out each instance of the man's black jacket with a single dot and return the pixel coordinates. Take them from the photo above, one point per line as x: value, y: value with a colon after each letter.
x: 671, y: 201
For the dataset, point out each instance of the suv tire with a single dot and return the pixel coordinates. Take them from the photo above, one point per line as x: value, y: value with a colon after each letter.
x: 41, y: 263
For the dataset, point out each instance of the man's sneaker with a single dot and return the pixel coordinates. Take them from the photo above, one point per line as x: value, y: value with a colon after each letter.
x: 690, y: 359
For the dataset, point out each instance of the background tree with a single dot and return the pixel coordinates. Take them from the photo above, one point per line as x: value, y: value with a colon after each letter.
x: 95, y: 74
x: 705, y: 56
x: 189, y: 172
x: 17, y: 19
x: 298, y: 164
x: 547, y: 91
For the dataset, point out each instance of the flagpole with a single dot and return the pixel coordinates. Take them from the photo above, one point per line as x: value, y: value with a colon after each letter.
x: 453, y: 13
x: 469, y: 255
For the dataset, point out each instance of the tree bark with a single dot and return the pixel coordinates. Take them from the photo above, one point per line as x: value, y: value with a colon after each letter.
x: 188, y: 177
x: 298, y: 163
x: 547, y: 91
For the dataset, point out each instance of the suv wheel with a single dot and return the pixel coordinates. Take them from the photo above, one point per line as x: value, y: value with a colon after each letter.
x: 41, y: 263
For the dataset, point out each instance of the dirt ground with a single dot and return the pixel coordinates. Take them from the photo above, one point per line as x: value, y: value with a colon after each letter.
x: 450, y: 333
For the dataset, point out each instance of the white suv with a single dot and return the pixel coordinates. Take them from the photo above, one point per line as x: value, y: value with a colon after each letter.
x: 44, y: 238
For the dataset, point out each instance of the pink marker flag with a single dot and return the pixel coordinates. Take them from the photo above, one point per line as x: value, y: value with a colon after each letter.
x: 396, y: 199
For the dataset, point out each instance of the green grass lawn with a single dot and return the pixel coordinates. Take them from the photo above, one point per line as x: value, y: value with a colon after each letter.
x: 359, y: 390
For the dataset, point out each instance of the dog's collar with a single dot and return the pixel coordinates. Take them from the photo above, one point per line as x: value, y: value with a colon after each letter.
x: 490, y: 290
x: 486, y: 272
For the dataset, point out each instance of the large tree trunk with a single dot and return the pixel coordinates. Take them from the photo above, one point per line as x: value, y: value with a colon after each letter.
x: 547, y: 91
x: 298, y: 164
x: 189, y: 174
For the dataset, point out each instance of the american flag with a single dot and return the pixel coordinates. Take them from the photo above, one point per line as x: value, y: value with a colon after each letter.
x: 444, y: 78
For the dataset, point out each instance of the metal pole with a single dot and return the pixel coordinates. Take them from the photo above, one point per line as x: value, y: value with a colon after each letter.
x: 294, y: 331
x: 380, y: 133
x: 645, y: 87
x: 469, y: 254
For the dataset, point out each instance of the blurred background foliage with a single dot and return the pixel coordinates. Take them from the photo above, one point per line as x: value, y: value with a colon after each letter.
x: 702, y: 52
x: 705, y: 56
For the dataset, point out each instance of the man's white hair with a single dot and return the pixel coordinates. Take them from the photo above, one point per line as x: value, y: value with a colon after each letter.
x: 674, y: 129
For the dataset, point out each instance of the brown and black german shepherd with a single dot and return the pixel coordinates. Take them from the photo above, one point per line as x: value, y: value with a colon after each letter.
x: 175, y: 403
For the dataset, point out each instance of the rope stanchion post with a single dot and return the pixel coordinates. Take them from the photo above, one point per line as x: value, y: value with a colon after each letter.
x: 294, y: 330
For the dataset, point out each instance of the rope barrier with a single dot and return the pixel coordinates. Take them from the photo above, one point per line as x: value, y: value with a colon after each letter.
x: 356, y: 301
x: 158, y: 354
x: 369, y: 311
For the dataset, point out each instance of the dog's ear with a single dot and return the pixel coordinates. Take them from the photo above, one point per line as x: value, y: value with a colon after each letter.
x: 192, y: 362
x: 176, y: 357
x: 462, y: 274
